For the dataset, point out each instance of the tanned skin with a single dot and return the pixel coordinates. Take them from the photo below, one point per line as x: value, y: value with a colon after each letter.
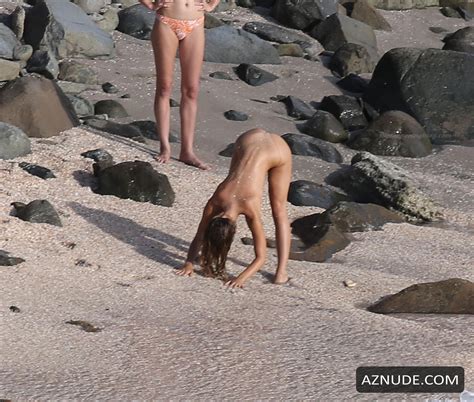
x: 191, y: 54
x: 256, y: 155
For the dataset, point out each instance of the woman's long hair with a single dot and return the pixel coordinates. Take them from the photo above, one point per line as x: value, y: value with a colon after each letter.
x: 217, y: 240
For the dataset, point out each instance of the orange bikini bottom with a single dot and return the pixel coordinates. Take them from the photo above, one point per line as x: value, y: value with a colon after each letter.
x: 181, y: 28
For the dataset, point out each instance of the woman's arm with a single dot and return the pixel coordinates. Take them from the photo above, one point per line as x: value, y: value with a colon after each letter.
x: 260, y: 248
x: 188, y: 268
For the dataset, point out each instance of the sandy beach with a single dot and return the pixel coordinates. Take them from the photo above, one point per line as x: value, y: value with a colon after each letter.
x: 164, y: 337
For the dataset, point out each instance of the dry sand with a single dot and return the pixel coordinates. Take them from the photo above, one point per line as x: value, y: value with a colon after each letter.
x: 167, y: 337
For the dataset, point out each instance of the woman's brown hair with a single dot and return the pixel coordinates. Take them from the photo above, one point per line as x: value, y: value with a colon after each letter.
x: 216, y: 244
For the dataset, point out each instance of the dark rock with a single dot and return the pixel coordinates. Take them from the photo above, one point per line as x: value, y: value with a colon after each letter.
x: 437, y: 30
x: 43, y: 62
x: 37, y: 211
x: 137, y: 181
x: 434, y: 86
x: 228, y: 151
x: 14, y: 309
x: 66, y: 30
x: 122, y: 130
x: 274, y: 33
x: 36, y: 170
x: 126, y: 96
x: 338, y: 30
x: 394, y: 133
x: 307, y: 193
x: 37, y: 106
x: 109, y: 88
x: 353, y: 83
x: 221, y: 75
x: 99, y: 155
x: 211, y: 21
x: 325, y: 126
x: 302, y: 144
x: 230, y: 45
x: 351, y: 58
x: 74, y: 71
x: 460, y: 41
x: 13, y: 142
x: 235, y: 115
x: 8, y: 261
x: 320, y: 245
x: 302, y: 14
x: 347, y: 217
x: 363, y: 11
x: 85, y: 326
x: 246, y: 3
x: 148, y: 130
x: 174, y: 103
x: 374, y: 180
x: 298, y: 108
x: 450, y: 12
x: 346, y: 109
x: 136, y: 21
x: 450, y: 296
x: 111, y: 108
x: 253, y: 75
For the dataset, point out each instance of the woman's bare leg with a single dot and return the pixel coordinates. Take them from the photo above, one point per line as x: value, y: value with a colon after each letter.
x: 165, y: 45
x: 278, y: 185
x: 191, y: 54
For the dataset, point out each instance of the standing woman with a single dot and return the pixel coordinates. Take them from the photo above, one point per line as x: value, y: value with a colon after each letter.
x: 179, y: 26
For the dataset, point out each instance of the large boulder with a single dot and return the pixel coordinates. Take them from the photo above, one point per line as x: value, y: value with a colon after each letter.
x: 434, y: 86
x: 225, y: 44
x: 66, y: 30
x: 8, y: 42
x: 303, y: 14
x: 363, y: 11
x: 451, y: 296
x: 308, y: 193
x: 37, y: 106
x: 13, y: 142
x: 275, y: 33
x: 351, y: 58
x: 325, y: 126
x: 393, y: 133
x: 371, y: 179
x: 9, y: 70
x: 136, y: 21
x: 137, y: 181
x: 339, y: 29
x: 460, y: 41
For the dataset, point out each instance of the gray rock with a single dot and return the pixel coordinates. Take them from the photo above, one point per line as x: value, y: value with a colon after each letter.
x: 109, y: 21
x: 8, y: 42
x: 82, y: 106
x: 275, y: 33
x: 308, y: 193
x: 75, y: 88
x: 91, y: 6
x: 351, y: 58
x: 23, y: 53
x: 297, y: 108
x: 346, y: 109
x: 290, y: 50
x: 74, y: 71
x: 122, y: 130
x: 450, y: 296
x: 363, y: 11
x: 450, y: 12
x: 393, y: 133
x: 17, y: 21
x: 37, y: 106
x: 228, y: 151
x: 325, y: 126
x: 302, y: 144
x: 338, y: 30
x: 253, y: 75
x: 37, y: 211
x: 136, y: 21
x: 13, y: 142
x: 148, y: 130
x: 229, y: 45
x: 66, y: 30
x: 111, y: 108
x: 211, y: 21
x: 137, y: 181
x: 109, y: 88
x: 302, y: 14
x: 432, y: 85
x: 43, y: 62
x: 372, y: 179
x: 221, y: 75
x: 225, y: 5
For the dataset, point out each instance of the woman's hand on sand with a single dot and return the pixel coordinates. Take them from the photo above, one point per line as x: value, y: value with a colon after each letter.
x: 235, y: 283
x: 186, y: 270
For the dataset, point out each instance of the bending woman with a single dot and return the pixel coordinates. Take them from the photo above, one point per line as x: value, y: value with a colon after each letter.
x: 179, y: 26
x: 256, y: 154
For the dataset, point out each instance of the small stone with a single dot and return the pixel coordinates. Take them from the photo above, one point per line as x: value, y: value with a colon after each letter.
x: 221, y: 75
x: 349, y: 284
x: 126, y: 96
x: 235, y: 115
x: 174, y: 103
x: 36, y: 170
x: 82, y: 263
x: 85, y: 326
x: 109, y: 88
x: 14, y: 309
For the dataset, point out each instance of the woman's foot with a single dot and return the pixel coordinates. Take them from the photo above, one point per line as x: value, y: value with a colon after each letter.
x: 193, y: 160
x: 281, y: 279
x: 164, y: 155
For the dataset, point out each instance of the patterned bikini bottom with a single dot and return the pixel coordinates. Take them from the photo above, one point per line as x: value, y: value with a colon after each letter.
x: 181, y: 28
